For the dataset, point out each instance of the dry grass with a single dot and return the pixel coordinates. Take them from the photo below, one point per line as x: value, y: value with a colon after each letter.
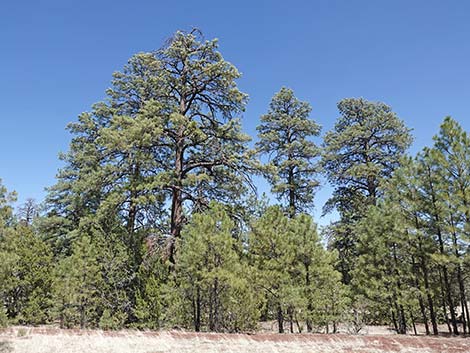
x: 49, y: 340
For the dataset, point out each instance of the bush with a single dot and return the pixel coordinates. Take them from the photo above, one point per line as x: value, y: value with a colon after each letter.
x: 3, y: 317
x: 112, y: 321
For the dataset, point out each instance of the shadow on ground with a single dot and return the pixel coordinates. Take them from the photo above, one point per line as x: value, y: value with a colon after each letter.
x: 5, y: 347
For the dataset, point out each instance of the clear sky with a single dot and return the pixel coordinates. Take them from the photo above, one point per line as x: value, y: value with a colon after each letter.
x: 57, y: 58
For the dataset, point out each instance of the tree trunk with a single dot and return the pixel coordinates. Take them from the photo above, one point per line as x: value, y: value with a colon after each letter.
x: 132, y: 214
x: 401, y: 320
x: 443, y: 302
x: 211, y: 309
x: 133, y: 243
x: 423, y: 315
x: 216, y: 319
x: 280, y: 319
x: 467, y: 221
x: 463, y: 297
x: 432, y: 313
x: 309, y: 305
x: 371, y: 179
x: 177, y: 219
x: 413, y: 323
x: 290, y: 181
x: 372, y: 190
x: 197, y: 311
x: 427, y: 288
x: 61, y: 316
x: 400, y: 310
x: 291, y: 319
x: 450, y: 302
x: 176, y: 202
x: 420, y: 298
x: 394, y: 319
x: 82, y: 317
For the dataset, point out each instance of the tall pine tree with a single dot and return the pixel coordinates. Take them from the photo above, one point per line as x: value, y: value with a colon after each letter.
x: 285, y: 135
x: 363, y: 149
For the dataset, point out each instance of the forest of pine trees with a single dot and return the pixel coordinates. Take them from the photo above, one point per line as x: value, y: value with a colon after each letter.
x: 154, y: 220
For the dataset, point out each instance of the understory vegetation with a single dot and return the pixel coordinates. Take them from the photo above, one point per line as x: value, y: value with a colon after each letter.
x: 155, y: 222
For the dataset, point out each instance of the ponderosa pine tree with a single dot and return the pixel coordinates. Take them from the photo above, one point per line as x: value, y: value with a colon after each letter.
x: 168, y: 134
x: 285, y: 136
x: 325, y: 298
x: 273, y: 257
x: 212, y: 289
x: 78, y: 192
x: 383, y: 273
x: 153, y: 277
x: 444, y: 191
x: 103, y: 191
x: 206, y: 154
x: 452, y: 153
x: 403, y: 190
x: 294, y: 271
x: 363, y: 149
x: 426, y: 202
x: 77, y: 285
x: 118, y: 290
x: 435, y: 210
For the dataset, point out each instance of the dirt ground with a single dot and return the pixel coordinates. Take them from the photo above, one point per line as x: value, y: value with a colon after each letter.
x: 50, y: 340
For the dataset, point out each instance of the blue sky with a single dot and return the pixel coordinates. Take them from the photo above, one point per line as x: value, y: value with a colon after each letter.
x: 57, y: 58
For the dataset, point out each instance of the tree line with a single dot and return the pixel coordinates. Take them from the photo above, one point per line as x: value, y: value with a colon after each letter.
x: 155, y: 222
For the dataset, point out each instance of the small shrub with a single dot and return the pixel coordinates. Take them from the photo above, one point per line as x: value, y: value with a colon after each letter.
x: 22, y: 332
x: 113, y: 321
x: 3, y: 317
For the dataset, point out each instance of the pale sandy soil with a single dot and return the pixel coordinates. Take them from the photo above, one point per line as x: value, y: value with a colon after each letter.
x: 49, y: 340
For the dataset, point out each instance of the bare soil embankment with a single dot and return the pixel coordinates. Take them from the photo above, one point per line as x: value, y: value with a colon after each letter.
x: 49, y: 340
